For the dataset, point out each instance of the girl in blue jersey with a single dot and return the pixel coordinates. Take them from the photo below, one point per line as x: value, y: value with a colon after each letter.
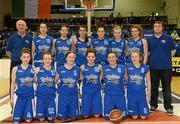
x: 91, y: 75
x: 22, y: 85
x: 67, y: 88
x: 101, y: 45
x: 40, y: 44
x: 138, y: 77
x: 46, y: 90
x: 118, y: 45
x: 137, y: 42
x: 62, y: 46
x: 113, y: 86
x: 81, y: 47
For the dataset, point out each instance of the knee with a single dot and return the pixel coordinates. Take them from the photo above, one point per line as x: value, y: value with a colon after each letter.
x: 28, y: 121
x: 96, y: 116
x: 134, y: 117
x: 143, y: 117
x: 41, y: 119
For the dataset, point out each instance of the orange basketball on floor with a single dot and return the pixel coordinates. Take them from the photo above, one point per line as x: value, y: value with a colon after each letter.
x: 115, y: 116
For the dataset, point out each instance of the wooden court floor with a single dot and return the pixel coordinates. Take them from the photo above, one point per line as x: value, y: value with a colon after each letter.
x: 157, y: 117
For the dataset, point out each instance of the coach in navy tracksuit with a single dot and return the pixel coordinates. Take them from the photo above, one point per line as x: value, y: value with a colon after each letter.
x: 161, y: 48
x: 17, y: 42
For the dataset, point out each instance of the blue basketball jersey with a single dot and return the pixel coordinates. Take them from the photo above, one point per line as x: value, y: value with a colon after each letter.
x: 46, y: 82
x: 134, y: 45
x: 113, y: 78
x: 24, y: 81
x: 101, y: 47
x: 81, y: 48
x: 68, y: 80
x: 62, y: 47
x: 119, y: 48
x: 91, y: 81
x: 136, y: 78
x: 42, y: 45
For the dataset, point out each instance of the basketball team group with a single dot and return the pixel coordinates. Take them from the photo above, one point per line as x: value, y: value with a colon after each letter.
x: 77, y: 76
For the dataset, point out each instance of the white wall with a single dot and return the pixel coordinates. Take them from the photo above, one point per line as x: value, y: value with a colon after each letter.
x: 5, y: 8
x: 171, y: 10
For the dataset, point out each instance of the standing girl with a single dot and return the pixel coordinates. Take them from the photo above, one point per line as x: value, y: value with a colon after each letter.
x: 101, y: 45
x: 40, y: 44
x: 118, y: 45
x: 62, y: 46
x: 137, y: 42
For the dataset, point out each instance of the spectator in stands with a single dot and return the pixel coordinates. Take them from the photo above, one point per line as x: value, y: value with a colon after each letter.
x: 16, y: 43
x: 119, y: 15
x: 178, y: 49
x: 161, y: 49
x: 174, y: 35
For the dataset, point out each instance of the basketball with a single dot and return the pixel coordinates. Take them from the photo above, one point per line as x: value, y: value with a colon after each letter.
x: 115, y: 116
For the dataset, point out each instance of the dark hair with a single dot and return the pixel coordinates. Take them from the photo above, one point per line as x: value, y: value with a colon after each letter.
x: 139, y: 53
x: 69, y: 53
x: 64, y: 26
x: 25, y: 50
x: 111, y: 52
x: 91, y: 51
x: 46, y: 53
x: 100, y: 25
x: 159, y: 22
x: 83, y: 26
x: 140, y: 29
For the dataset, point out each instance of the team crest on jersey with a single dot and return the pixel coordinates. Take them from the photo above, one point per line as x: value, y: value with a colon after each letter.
x: 48, y: 41
x: 96, y: 69
x: 92, y: 78
x: 32, y: 71
x: 106, y: 42
x: 139, y: 42
x: 142, y: 70
x: 52, y: 72
x: 163, y: 41
x: 75, y: 73
x: 119, y: 70
x: 27, y: 41
x: 68, y: 42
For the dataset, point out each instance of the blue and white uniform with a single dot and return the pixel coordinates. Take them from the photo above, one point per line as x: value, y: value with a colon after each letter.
x: 42, y: 45
x: 68, y: 92
x: 91, y: 91
x: 45, y: 93
x: 132, y: 44
x: 136, y: 94
x: 81, y: 49
x: 62, y: 47
x: 118, y: 47
x: 114, y: 89
x: 101, y: 47
x: 25, y: 94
